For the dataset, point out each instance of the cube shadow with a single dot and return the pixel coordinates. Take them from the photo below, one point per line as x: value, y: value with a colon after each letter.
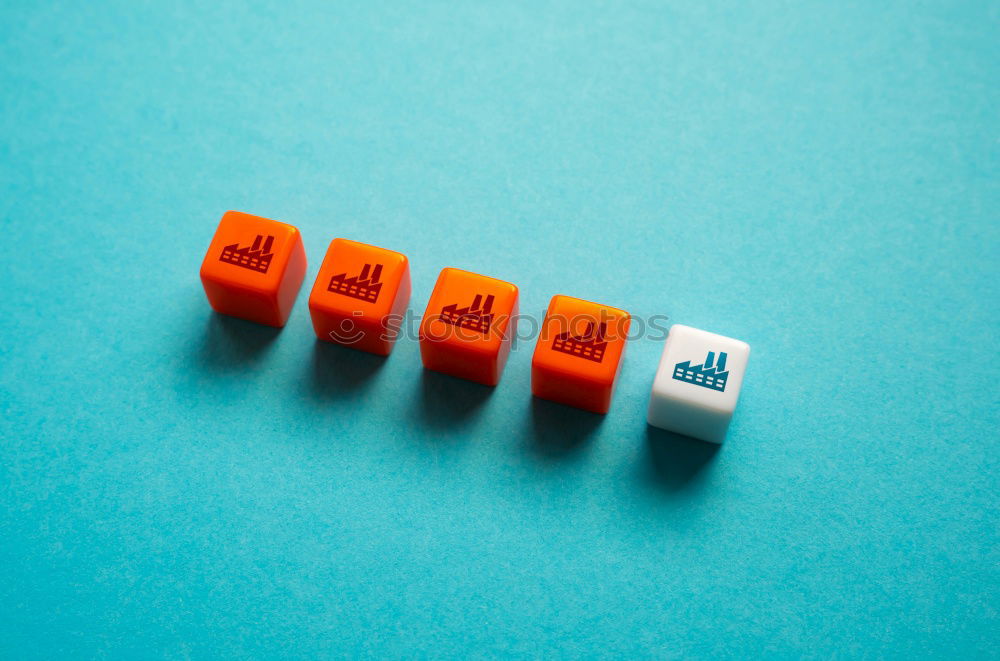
x: 338, y: 371
x: 676, y: 460
x: 230, y: 342
x: 558, y: 430
x: 446, y: 400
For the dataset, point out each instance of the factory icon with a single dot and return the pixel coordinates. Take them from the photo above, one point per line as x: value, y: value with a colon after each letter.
x: 474, y: 317
x: 709, y: 376
x: 365, y: 286
x: 590, y: 345
x: 255, y: 257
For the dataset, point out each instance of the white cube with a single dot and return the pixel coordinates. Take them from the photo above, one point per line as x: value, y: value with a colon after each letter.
x: 697, y: 383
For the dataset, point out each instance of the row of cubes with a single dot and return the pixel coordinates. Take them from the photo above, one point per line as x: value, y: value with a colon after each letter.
x: 255, y: 266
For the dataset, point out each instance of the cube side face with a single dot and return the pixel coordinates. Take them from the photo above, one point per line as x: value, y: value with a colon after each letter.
x: 253, y: 268
x: 350, y: 331
x: 479, y: 366
x: 468, y: 326
x: 359, y: 296
x: 697, y: 383
x: 394, y: 322
x: 506, y: 341
x: 579, y: 352
x: 571, y: 390
x: 248, y: 304
x: 291, y: 280
x: 683, y: 417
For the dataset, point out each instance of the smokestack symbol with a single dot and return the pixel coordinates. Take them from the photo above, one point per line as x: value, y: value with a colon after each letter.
x: 591, y: 345
x: 477, y: 317
x: 710, y: 374
x: 255, y: 257
x: 365, y: 286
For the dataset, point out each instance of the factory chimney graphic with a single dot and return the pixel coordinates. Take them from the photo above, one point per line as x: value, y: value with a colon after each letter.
x: 256, y: 257
x: 364, y: 286
x: 590, y: 345
x: 474, y: 317
x: 707, y: 375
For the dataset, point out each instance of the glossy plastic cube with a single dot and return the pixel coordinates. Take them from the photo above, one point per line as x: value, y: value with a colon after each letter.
x: 360, y: 296
x: 579, y: 352
x: 468, y: 326
x: 254, y: 268
x: 698, y: 383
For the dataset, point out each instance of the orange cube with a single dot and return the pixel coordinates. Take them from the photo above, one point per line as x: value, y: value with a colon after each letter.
x: 360, y: 296
x: 578, y: 354
x: 254, y: 268
x: 468, y: 326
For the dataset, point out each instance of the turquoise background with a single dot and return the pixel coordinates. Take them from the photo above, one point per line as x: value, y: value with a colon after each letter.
x: 819, y: 179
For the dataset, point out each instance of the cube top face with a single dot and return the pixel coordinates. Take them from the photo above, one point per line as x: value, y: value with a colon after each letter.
x: 249, y: 252
x: 581, y: 339
x: 469, y: 311
x: 358, y: 277
x: 702, y: 369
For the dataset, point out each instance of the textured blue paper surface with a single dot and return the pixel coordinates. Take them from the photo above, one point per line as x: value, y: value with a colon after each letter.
x: 817, y: 179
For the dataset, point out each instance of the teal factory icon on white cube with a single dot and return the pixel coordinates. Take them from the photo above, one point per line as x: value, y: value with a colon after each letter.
x: 698, y: 383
